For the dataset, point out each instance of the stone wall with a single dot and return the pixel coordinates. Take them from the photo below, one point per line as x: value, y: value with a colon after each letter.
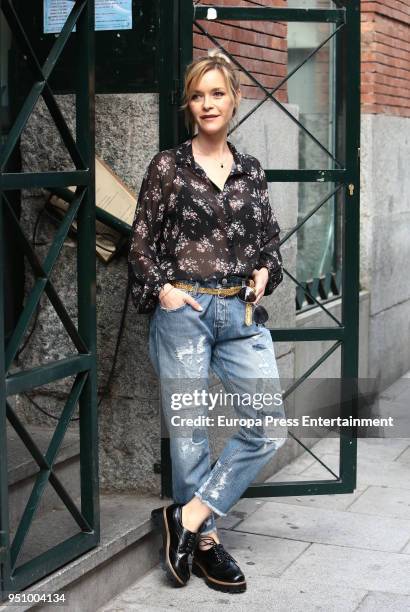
x: 385, y: 243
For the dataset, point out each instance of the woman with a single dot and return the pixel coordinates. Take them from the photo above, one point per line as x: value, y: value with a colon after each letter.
x: 204, y: 250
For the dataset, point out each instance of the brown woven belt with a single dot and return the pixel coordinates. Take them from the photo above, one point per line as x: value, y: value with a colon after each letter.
x: 220, y: 291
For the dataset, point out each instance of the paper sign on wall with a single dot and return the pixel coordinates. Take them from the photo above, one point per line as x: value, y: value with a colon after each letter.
x: 109, y: 15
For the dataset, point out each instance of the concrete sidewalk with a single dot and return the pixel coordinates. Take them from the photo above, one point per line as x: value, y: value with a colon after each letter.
x: 327, y: 552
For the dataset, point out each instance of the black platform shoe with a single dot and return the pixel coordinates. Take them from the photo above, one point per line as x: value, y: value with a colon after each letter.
x: 178, y: 543
x: 219, y: 570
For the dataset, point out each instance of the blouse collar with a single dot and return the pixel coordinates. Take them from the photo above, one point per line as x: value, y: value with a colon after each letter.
x: 185, y: 157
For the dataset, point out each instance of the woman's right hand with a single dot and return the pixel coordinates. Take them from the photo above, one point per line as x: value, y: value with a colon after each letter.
x: 175, y: 298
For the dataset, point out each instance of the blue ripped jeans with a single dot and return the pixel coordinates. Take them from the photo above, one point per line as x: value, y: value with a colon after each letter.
x: 183, y: 344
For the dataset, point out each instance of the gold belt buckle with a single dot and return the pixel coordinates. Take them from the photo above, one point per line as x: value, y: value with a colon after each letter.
x: 217, y: 291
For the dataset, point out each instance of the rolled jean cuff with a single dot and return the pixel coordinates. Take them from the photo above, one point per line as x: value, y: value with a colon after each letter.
x: 210, y: 506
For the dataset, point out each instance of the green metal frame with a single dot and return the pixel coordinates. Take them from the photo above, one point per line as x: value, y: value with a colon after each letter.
x: 82, y: 365
x: 346, y: 177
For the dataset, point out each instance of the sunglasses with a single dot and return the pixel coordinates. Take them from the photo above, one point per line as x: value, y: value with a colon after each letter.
x: 259, y: 313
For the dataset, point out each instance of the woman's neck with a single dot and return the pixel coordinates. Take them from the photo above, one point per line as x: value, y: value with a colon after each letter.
x: 214, y: 146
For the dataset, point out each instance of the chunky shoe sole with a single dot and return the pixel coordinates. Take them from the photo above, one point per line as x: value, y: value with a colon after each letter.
x: 218, y: 585
x: 160, y: 520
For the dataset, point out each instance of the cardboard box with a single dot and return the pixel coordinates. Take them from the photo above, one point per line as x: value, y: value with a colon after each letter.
x: 111, y: 195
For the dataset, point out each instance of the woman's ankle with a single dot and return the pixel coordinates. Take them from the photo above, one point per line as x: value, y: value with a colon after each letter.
x: 188, y: 522
x: 194, y: 513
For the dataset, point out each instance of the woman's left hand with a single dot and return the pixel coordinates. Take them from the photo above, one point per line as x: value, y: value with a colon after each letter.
x: 261, y: 278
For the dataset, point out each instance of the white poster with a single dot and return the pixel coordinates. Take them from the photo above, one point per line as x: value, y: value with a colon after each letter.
x: 109, y: 14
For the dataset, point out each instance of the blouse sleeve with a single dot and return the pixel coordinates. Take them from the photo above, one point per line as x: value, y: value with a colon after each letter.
x: 270, y: 256
x: 147, y: 276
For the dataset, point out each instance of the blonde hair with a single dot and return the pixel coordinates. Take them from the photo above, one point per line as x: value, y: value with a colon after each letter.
x: 196, y: 70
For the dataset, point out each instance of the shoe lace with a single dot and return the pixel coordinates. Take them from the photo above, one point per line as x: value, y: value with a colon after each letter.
x: 220, y: 553
x: 189, y: 543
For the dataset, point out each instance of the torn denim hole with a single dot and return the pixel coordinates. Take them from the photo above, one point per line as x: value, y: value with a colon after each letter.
x: 222, y: 482
x: 199, y: 436
x: 275, y: 435
x: 276, y: 443
x: 189, y: 448
x: 192, y: 355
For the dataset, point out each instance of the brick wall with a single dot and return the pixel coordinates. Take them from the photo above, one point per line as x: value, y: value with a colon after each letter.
x: 385, y: 71
x: 260, y: 47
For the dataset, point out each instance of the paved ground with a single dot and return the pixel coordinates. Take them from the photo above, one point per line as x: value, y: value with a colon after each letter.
x: 328, y: 552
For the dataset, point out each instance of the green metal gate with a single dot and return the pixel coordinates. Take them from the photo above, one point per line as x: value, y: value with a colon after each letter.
x: 343, y: 175
x: 82, y: 364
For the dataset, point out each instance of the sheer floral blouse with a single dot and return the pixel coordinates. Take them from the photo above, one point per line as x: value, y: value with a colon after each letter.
x: 186, y: 228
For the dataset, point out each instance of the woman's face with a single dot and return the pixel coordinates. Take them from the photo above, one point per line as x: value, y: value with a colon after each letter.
x: 210, y: 103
